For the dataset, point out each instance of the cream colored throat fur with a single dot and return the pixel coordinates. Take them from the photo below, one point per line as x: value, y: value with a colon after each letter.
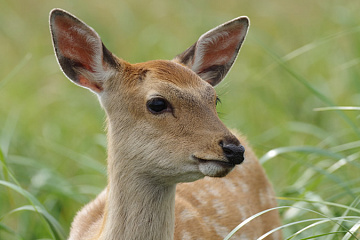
x: 174, y: 170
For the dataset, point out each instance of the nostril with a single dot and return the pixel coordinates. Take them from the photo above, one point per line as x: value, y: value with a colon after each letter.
x: 234, y: 153
x: 228, y: 151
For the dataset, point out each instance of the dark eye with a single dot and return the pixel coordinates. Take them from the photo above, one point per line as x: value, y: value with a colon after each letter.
x: 158, y: 105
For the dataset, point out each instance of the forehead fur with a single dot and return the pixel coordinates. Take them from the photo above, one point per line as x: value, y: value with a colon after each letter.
x: 173, y: 73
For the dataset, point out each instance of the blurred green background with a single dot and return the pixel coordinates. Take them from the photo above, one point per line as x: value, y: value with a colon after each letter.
x: 298, y: 56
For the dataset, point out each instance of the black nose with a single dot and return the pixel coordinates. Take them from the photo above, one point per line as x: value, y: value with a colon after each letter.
x: 234, y: 153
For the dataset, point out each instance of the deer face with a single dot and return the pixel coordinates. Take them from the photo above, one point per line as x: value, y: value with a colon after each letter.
x: 161, y: 114
x: 168, y: 115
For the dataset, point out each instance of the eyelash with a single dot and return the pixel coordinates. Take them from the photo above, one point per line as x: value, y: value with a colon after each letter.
x: 217, y: 101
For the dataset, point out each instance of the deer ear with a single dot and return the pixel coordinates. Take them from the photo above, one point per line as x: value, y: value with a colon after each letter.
x: 212, y: 56
x: 80, y: 52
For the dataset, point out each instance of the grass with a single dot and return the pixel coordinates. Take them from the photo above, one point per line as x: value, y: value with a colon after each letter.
x: 294, y: 91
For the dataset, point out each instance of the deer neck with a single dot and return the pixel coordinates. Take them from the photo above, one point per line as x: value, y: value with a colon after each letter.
x: 136, y: 207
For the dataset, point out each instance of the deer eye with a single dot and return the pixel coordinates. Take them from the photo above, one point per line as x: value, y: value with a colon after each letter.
x: 158, y: 105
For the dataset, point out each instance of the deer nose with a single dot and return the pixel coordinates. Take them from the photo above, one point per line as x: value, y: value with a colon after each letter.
x: 234, y: 153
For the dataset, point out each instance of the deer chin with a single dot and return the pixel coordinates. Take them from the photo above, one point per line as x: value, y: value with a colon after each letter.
x: 214, y: 167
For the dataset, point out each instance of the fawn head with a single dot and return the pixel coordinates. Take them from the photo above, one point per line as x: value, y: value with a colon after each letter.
x: 161, y: 114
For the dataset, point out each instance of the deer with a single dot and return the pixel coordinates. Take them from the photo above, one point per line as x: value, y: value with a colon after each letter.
x: 175, y: 171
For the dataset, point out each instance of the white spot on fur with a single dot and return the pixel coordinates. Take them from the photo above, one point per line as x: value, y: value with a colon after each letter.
x: 214, y: 191
x: 243, y: 212
x: 265, y: 195
x: 185, y: 215
x: 220, y: 230
x: 219, y: 206
x: 244, y: 188
x: 186, y: 235
x: 201, y: 195
x: 229, y: 185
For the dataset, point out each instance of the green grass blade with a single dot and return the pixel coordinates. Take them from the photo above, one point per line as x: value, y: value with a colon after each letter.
x: 56, y: 182
x: 301, y: 79
x: 341, y: 108
x: 321, y: 235
x: 313, y: 150
x: 246, y: 221
x: 317, y: 43
x: 353, y: 204
x: 317, y: 222
x: 338, y: 205
x: 53, y: 223
x: 301, y: 149
x: 81, y: 160
x: 354, y: 229
x: 306, y: 48
x: 10, y: 231
x: 36, y: 205
x: 249, y: 219
x: 312, y: 130
x: 307, y: 228
x: 346, y: 146
x: 3, y: 164
x: 8, y: 131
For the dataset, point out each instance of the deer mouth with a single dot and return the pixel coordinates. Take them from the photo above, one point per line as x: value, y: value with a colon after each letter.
x: 213, y: 167
x: 214, y: 161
